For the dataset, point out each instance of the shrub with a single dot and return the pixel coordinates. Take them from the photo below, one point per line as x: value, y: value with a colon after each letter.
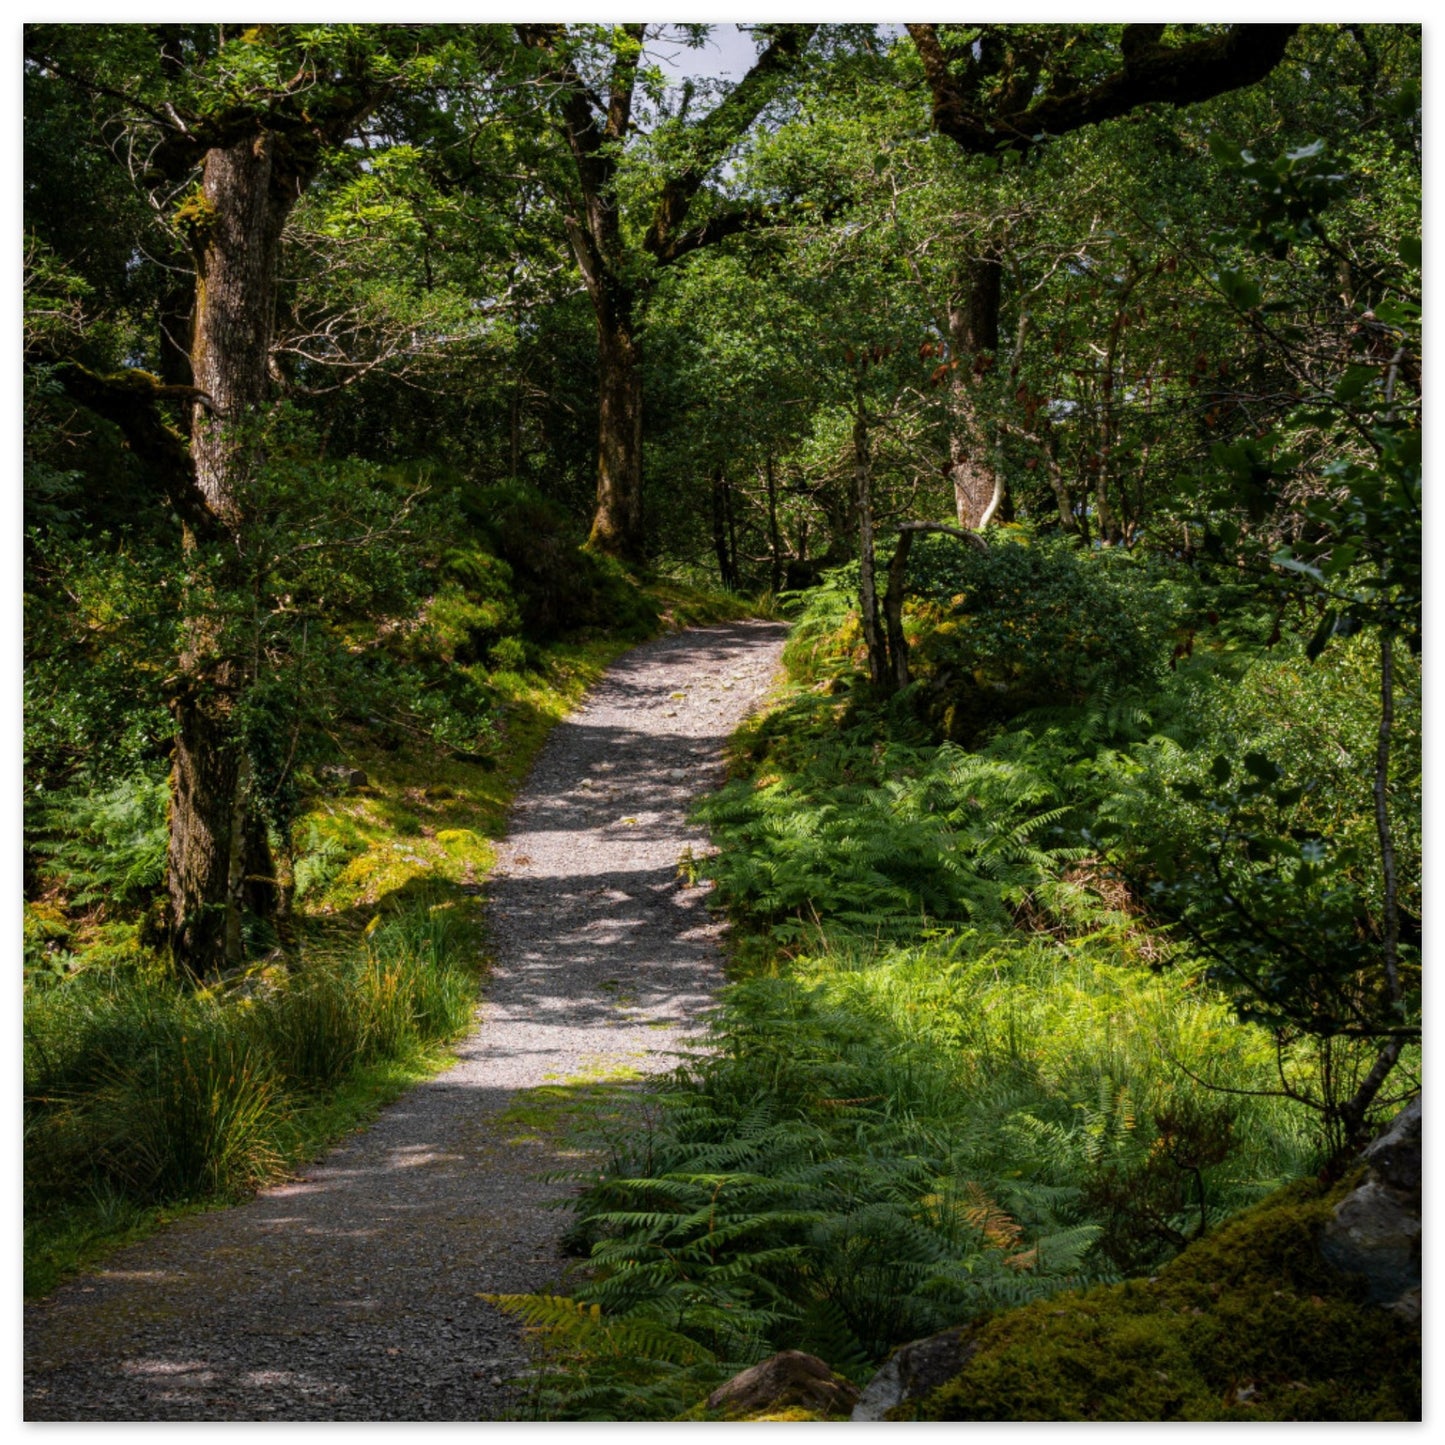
x: 193, y: 1117
x: 1034, y: 622
x: 558, y: 586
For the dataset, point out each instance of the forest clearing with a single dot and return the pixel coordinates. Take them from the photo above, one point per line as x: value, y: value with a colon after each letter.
x: 722, y: 722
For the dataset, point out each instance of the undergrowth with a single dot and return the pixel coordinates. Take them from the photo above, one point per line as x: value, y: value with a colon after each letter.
x: 146, y: 1097
x: 960, y: 1067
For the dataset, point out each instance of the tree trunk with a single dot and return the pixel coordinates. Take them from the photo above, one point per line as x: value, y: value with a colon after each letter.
x: 775, y: 545
x: 617, y: 524
x: 973, y: 339
x: 867, y: 580
x: 726, y: 563
x: 893, y: 610
x: 730, y: 507
x: 244, y: 205
x: 236, y: 237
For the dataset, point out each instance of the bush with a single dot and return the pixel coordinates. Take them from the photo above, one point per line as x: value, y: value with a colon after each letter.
x: 1034, y: 622
x: 558, y: 586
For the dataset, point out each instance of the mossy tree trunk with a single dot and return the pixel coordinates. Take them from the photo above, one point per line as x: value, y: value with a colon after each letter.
x: 247, y: 154
x: 235, y: 224
x: 973, y: 340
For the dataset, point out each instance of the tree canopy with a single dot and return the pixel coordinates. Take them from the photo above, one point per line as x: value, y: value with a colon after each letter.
x: 1062, y: 382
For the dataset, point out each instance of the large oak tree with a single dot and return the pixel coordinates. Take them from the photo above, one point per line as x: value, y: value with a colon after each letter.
x: 1013, y: 87
x: 223, y: 128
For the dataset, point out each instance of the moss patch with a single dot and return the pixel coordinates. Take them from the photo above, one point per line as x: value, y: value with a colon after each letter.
x: 588, y: 1103
x: 1247, y: 1324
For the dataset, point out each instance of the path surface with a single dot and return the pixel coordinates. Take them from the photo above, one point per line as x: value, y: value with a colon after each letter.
x: 350, y: 1294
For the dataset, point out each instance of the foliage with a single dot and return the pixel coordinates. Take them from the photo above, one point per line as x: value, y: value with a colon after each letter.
x: 1034, y: 622
x: 557, y: 587
x: 881, y: 836
x: 109, y: 847
x: 884, y: 1142
x: 137, y: 1088
x: 1259, y: 842
x: 1249, y: 1325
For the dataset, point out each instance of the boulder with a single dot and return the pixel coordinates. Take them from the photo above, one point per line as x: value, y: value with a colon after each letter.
x: 788, y: 1381
x: 1375, y: 1229
x: 915, y: 1370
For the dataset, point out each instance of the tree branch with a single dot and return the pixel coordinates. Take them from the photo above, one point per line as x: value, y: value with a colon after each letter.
x: 129, y: 400
x: 717, y: 132
x: 1150, y: 72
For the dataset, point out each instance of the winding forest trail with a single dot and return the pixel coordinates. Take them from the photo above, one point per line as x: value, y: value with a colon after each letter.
x: 351, y: 1293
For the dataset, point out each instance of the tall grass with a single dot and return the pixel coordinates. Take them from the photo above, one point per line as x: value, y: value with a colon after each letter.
x: 140, y: 1092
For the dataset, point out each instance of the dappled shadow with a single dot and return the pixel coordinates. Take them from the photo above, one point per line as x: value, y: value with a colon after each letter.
x: 347, y: 1293
x: 351, y: 1292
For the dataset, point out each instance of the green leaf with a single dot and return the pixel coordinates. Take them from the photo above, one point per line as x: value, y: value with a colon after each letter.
x: 1351, y: 386
x: 1323, y: 633
x: 1410, y: 251
x: 1263, y: 767
x: 1227, y: 152
x: 1305, y: 153
x: 1284, y: 559
x: 1244, y: 291
x: 1398, y: 313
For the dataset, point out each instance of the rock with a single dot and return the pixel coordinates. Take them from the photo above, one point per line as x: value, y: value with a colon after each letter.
x: 1397, y: 1155
x: 1375, y: 1229
x: 347, y: 777
x: 789, y: 1380
x: 915, y: 1370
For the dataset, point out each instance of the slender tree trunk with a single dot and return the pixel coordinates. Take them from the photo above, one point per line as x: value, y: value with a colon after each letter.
x: 1354, y: 1111
x: 730, y: 507
x: 514, y: 430
x: 893, y: 610
x: 867, y: 579
x: 775, y: 545
x: 242, y: 207
x: 726, y: 564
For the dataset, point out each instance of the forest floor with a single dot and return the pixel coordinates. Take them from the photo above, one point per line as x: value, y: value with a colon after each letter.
x: 351, y: 1292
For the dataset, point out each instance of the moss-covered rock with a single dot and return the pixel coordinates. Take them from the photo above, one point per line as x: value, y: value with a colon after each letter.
x: 1249, y: 1323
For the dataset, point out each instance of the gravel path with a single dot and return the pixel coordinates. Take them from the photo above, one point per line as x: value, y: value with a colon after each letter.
x: 350, y: 1294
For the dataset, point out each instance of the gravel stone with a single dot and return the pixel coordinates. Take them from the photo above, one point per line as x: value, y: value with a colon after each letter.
x: 350, y: 1293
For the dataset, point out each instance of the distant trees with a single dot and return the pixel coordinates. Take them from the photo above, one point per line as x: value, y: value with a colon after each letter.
x: 677, y: 213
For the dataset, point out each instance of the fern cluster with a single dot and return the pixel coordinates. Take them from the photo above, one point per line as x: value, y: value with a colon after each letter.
x: 884, y: 1142
x: 883, y: 836
x: 962, y: 1068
